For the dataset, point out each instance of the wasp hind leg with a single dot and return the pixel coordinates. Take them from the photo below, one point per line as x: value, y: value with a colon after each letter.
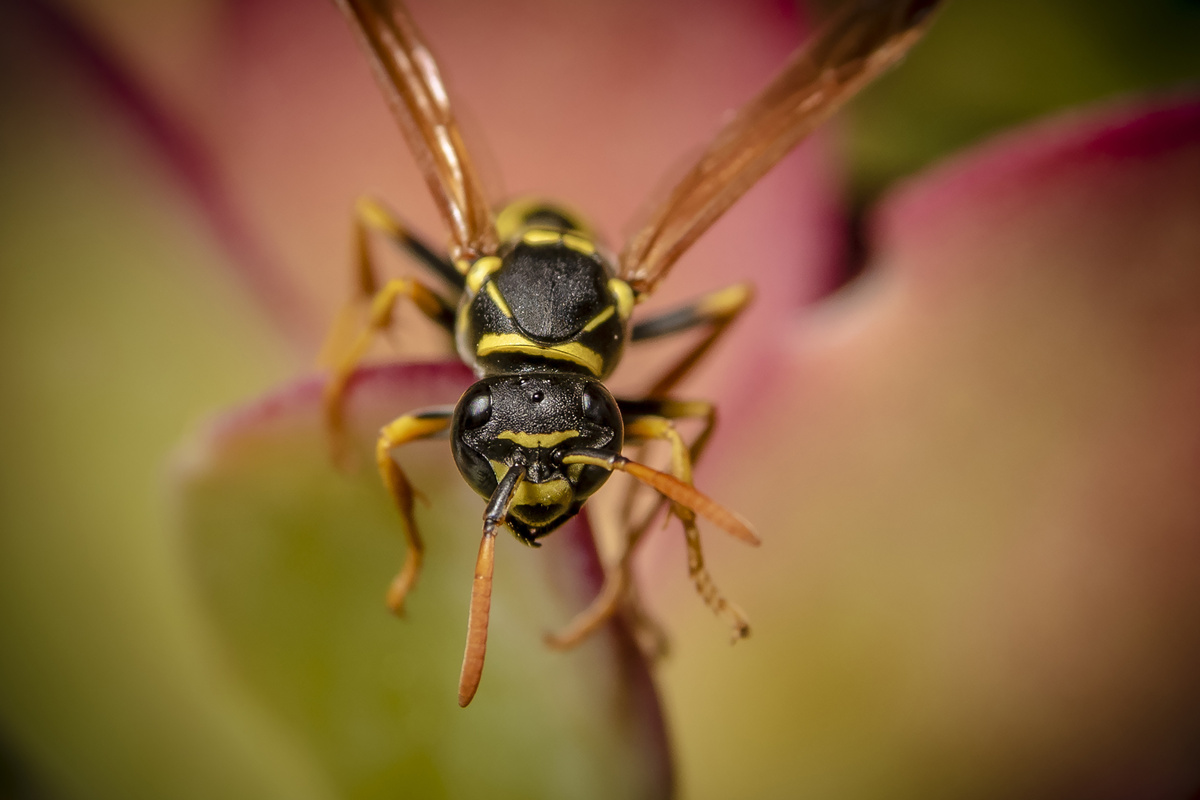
x: 351, y: 336
x: 424, y: 424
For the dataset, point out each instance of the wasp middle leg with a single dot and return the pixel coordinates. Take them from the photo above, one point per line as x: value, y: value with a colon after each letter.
x: 425, y: 424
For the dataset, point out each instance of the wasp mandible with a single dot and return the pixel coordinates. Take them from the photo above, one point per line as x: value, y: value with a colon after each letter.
x: 543, y: 314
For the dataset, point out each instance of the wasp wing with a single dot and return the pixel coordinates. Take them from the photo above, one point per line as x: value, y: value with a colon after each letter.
x: 414, y: 89
x: 862, y: 41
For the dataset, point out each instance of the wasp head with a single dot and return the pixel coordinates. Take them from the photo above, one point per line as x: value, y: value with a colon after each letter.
x: 530, y: 421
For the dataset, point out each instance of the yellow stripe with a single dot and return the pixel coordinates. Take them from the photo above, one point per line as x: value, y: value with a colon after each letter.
x: 494, y: 293
x: 551, y: 493
x: 537, y: 236
x: 480, y: 270
x: 515, y: 343
x: 370, y: 212
x: 408, y: 428
x: 599, y: 319
x: 538, y: 439
x: 579, y: 243
x: 624, y: 294
x: 726, y: 301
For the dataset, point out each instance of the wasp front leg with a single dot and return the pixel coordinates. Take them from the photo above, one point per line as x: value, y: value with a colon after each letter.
x: 643, y: 424
x: 350, y: 338
x: 648, y: 428
x: 425, y: 424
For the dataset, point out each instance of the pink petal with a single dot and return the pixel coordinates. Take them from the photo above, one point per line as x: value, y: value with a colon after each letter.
x: 976, y: 481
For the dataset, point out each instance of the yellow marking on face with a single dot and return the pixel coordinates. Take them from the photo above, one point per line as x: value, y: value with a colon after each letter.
x: 498, y: 299
x: 481, y: 270
x: 556, y: 493
x: 538, y: 439
x: 462, y: 265
x: 580, y: 244
x: 551, y: 493
x: 536, y: 236
x: 515, y: 343
x: 624, y: 295
x: 599, y: 319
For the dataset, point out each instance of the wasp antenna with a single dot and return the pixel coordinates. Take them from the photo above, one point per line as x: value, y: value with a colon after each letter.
x: 477, y: 620
x: 673, y: 489
x: 481, y: 587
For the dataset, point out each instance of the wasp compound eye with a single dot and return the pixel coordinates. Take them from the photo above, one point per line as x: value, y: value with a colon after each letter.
x: 599, y: 407
x: 471, y: 416
x: 476, y: 407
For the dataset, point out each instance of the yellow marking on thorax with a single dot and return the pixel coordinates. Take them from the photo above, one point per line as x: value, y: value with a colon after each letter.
x: 481, y: 270
x: 580, y: 244
x: 498, y: 299
x: 538, y: 439
x: 512, y: 218
x: 624, y: 294
x: 515, y: 343
x: 536, y: 236
x: 599, y: 319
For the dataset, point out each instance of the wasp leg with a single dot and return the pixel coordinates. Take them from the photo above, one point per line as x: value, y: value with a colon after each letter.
x: 618, y: 585
x: 380, y: 318
x: 642, y: 425
x: 662, y: 428
x: 717, y: 310
x: 351, y: 335
x: 424, y: 424
x: 372, y: 216
x: 617, y: 580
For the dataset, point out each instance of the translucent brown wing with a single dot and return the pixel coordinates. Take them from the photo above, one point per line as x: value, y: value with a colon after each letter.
x: 410, y: 80
x: 859, y: 43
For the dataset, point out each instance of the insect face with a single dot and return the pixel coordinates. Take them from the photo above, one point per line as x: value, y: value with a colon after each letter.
x: 530, y: 422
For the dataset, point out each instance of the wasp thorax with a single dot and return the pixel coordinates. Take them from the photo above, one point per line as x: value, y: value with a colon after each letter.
x: 531, y: 421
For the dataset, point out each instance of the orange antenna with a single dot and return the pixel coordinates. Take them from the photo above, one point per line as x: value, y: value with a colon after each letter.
x: 481, y: 587
x: 673, y: 489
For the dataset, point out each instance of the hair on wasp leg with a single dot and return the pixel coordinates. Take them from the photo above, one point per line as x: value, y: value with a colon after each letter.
x: 542, y: 313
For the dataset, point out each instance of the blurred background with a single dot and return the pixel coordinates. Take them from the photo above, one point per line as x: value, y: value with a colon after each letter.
x: 176, y: 178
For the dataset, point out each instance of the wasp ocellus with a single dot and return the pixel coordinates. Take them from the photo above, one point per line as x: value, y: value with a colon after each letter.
x: 542, y: 313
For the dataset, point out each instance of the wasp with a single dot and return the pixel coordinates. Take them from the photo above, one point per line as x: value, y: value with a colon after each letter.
x: 542, y: 312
